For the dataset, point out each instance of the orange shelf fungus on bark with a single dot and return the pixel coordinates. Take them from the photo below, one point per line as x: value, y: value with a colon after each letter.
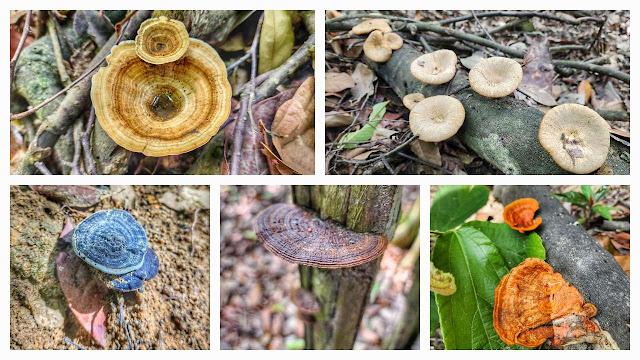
x: 519, y: 214
x: 530, y: 297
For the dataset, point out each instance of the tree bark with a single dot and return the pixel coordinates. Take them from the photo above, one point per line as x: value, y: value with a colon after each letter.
x: 585, y: 264
x: 344, y: 293
x: 502, y: 131
x: 408, y: 327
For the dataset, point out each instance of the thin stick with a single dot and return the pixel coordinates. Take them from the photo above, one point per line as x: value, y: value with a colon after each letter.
x: 238, y: 62
x: 16, y: 55
x: 89, y: 163
x: 70, y: 342
x: 193, y: 231
x: 77, y: 149
x: 42, y: 168
x: 57, y: 50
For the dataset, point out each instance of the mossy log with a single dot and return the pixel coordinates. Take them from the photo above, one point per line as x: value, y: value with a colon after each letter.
x: 344, y: 293
x: 502, y: 131
x: 583, y: 262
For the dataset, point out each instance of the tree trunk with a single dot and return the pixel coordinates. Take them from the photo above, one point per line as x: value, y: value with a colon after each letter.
x: 502, y: 131
x: 585, y: 264
x: 344, y: 293
x: 407, y: 329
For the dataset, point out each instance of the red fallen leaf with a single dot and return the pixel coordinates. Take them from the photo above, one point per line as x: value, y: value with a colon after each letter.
x: 620, y: 240
x: 391, y: 116
x: 85, y: 295
x: 15, y: 39
x: 75, y: 196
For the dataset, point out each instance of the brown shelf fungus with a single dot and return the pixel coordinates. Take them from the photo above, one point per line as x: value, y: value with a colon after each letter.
x: 162, y: 109
x: 495, y: 77
x: 576, y: 137
x: 436, y: 118
x: 307, y: 303
x: 519, y: 214
x: 411, y: 100
x: 299, y: 236
x: 530, y: 297
x: 370, y: 25
x: 435, y: 68
x: 378, y: 47
x: 161, y: 40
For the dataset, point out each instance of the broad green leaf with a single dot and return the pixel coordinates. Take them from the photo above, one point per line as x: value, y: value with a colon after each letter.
x: 605, y: 211
x: 276, y: 40
x: 587, y: 192
x: 513, y: 246
x: 452, y: 205
x: 466, y: 317
x: 366, y: 132
x: 604, y: 189
x: 573, y: 197
x: 433, y: 312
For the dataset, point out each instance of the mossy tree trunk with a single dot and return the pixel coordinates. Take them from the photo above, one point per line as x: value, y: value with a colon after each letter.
x: 344, y: 293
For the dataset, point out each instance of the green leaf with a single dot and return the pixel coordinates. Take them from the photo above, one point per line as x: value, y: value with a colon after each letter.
x: 513, y: 246
x: 466, y: 317
x: 294, y: 344
x: 433, y: 312
x: 604, y: 189
x: 605, y: 211
x: 573, y: 197
x: 366, y: 132
x: 587, y: 192
x: 452, y: 205
x: 276, y: 40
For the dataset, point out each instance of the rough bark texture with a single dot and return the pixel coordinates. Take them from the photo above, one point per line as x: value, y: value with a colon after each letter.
x: 208, y: 25
x: 343, y: 293
x: 408, y: 327
x: 580, y: 260
x: 502, y: 131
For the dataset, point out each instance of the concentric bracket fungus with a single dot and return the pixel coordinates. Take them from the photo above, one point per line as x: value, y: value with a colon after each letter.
x: 370, y: 25
x: 441, y: 282
x: 495, y: 77
x: 161, y: 40
x: 530, y: 297
x: 299, y: 236
x: 519, y: 214
x: 435, y: 68
x: 307, y: 303
x: 436, y: 118
x: 576, y: 137
x: 162, y: 109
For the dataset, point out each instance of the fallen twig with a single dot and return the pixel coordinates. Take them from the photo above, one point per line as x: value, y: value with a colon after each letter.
x: 16, y: 55
x: 193, y: 231
x: 89, y: 162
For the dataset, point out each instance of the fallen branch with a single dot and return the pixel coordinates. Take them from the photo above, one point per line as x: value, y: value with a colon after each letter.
x: 16, y: 55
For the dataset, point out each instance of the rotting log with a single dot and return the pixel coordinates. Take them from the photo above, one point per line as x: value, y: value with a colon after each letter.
x: 502, y: 131
x: 583, y: 262
x: 344, y: 293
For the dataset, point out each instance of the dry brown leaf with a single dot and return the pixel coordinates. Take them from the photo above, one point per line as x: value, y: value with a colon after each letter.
x: 363, y: 78
x: 294, y: 125
x: 336, y: 82
x: 338, y: 120
x: 625, y: 263
x: 429, y: 152
x: 585, y: 88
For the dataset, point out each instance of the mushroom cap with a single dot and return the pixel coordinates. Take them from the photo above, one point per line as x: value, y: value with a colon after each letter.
x: 164, y: 109
x: 135, y: 279
x: 576, y: 137
x: 519, y: 214
x: 495, y: 77
x: 299, y: 236
x: 436, y: 118
x: 161, y: 40
x: 306, y: 301
x: 111, y: 241
x: 370, y: 25
x: 376, y: 48
x: 393, y: 40
x: 530, y: 296
x: 411, y: 100
x: 435, y: 68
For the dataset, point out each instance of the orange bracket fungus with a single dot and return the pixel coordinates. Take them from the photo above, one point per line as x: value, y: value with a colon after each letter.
x: 436, y: 118
x: 164, y: 109
x: 519, y: 214
x: 435, y: 68
x: 299, y: 236
x: 161, y: 40
x: 495, y: 77
x: 576, y: 137
x: 530, y: 297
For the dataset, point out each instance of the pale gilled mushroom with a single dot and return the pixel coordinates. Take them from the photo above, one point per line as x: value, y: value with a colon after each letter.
x: 495, y: 77
x: 370, y: 25
x: 411, y: 100
x: 378, y: 47
x: 436, y: 118
x: 161, y: 40
x: 576, y: 137
x: 435, y: 68
x: 162, y: 109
